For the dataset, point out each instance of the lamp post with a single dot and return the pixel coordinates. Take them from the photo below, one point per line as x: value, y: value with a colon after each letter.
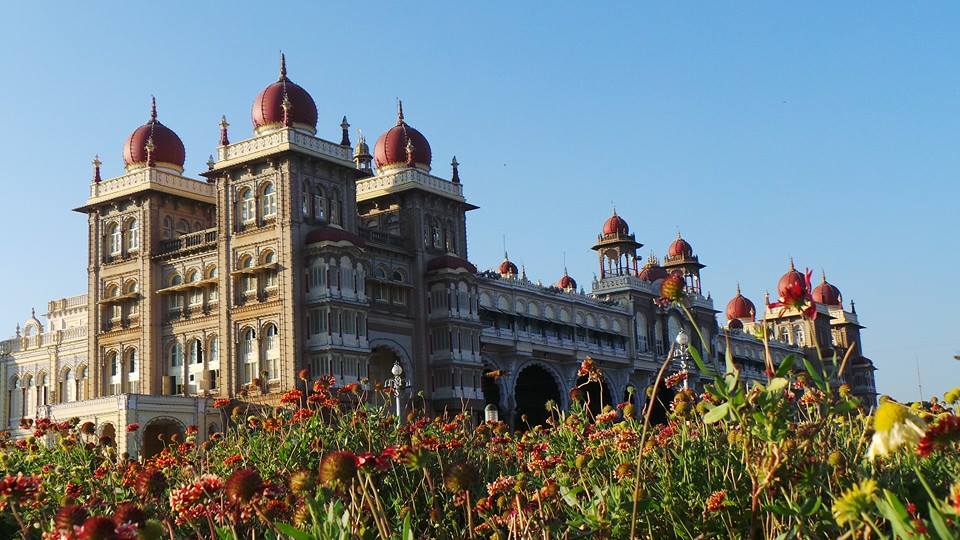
x: 491, y: 413
x: 397, y: 383
x: 682, y: 341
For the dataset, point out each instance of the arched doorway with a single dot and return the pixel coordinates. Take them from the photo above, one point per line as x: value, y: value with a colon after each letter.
x: 379, y: 372
x: 159, y: 433
x: 661, y: 405
x: 534, y: 388
x: 595, y: 395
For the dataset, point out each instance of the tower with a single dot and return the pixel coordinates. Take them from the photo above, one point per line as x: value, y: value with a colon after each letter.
x: 617, y: 248
x: 680, y: 257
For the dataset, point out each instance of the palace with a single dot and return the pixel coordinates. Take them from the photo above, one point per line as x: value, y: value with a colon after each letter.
x: 293, y: 252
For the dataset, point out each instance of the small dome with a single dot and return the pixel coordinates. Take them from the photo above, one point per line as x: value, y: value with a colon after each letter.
x: 652, y: 270
x: 167, y: 148
x: 450, y: 262
x: 740, y: 307
x: 268, y: 111
x: 402, y: 146
x: 566, y: 282
x: 507, y: 268
x: 680, y: 248
x: 735, y: 324
x: 615, y: 225
x: 827, y: 294
x: 792, y: 285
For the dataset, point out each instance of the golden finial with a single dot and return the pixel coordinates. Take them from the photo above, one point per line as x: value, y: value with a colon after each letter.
x: 399, y: 111
x: 283, y: 66
x: 153, y: 109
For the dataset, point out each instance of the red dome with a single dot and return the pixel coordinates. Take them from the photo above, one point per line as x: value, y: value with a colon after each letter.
x: 680, y: 248
x: 615, y: 225
x: 740, y: 307
x: 827, y: 294
x: 566, y: 282
x: 333, y: 234
x: 167, y: 147
x: 652, y: 273
x: 451, y: 262
x: 393, y: 146
x: 792, y: 285
x: 735, y: 324
x: 268, y: 105
x: 507, y: 268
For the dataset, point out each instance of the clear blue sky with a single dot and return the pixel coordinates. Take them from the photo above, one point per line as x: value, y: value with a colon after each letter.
x: 762, y: 130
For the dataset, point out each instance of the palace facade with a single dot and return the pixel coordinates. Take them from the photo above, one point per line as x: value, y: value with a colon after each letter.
x: 292, y: 251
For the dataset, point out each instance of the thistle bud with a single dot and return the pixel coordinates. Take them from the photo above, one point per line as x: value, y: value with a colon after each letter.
x: 151, y: 483
x: 243, y: 485
x: 302, y: 482
x: 459, y: 477
x: 671, y: 288
x: 338, y: 468
x: 129, y: 512
x: 97, y: 528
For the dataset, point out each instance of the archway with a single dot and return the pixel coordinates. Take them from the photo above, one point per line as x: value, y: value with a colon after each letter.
x: 159, y: 433
x: 595, y: 395
x: 534, y: 388
x: 661, y: 405
x: 379, y: 372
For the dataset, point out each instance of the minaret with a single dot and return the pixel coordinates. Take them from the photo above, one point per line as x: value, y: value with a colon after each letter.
x: 96, y: 169
x: 455, y: 177
x: 224, y: 138
x: 361, y: 154
x: 345, y: 132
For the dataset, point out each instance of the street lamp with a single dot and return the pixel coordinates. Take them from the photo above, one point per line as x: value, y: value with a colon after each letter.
x: 682, y: 341
x: 397, y: 383
x: 491, y: 413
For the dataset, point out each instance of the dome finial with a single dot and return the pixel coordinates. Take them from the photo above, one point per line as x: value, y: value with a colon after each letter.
x: 399, y: 111
x: 96, y: 168
x: 792, y: 267
x: 224, y: 138
x: 455, y: 177
x: 738, y: 288
x: 153, y: 109
x: 823, y: 275
x: 283, y: 67
x: 345, y: 132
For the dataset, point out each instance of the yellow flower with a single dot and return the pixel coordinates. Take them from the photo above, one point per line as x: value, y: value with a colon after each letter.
x: 894, y: 426
x: 855, y: 502
x: 952, y: 396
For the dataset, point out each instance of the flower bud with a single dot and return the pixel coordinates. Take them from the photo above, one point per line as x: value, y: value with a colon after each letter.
x: 243, y: 485
x: 338, y: 468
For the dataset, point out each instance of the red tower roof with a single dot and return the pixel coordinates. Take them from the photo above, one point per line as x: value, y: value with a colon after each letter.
x: 680, y: 248
x: 507, y: 268
x: 615, y: 225
x: 402, y: 145
x: 740, y: 307
x: 268, y: 106
x: 154, y: 144
x: 566, y: 282
x: 827, y: 294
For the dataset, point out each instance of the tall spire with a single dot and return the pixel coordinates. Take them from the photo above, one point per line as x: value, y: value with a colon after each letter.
x: 224, y: 138
x: 738, y: 288
x: 823, y: 275
x: 283, y: 67
x: 455, y: 178
x: 153, y: 109
x: 791, y: 264
x: 345, y: 132
x: 96, y: 168
x: 399, y: 111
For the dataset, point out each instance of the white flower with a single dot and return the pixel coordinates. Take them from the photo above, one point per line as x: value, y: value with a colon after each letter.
x: 894, y: 426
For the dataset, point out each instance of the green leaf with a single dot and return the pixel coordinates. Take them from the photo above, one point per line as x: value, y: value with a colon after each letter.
x: 939, y: 524
x: 704, y: 370
x: 717, y: 413
x: 785, y: 365
x: 728, y: 357
x: 890, y: 508
x: 292, y: 531
x: 814, y: 374
x: 407, y: 532
x: 776, y: 385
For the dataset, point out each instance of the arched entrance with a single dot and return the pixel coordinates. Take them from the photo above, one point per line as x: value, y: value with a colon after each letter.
x: 595, y: 395
x: 159, y: 433
x: 661, y: 405
x: 534, y: 388
x: 379, y: 368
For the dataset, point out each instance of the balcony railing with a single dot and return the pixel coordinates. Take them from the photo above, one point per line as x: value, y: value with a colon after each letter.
x: 194, y: 240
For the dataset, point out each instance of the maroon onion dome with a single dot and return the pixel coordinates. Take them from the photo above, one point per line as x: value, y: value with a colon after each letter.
x: 735, y: 324
x: 268, y: 106
x: 680, y: 248
x: 615, y: 225
x: 566, y: 282
x: 827, y: 293
x: 154, y: 144
x: 402, y: 146
x: 740, y: 307
x: 792, y: 285
x: 507, y: 268
x: 652, y: 270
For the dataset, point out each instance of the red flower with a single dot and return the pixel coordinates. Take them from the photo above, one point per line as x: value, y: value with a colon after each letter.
x: 944, y: 432
x: 243, y: 485
x: 18, y: 489
x: 672, y: 288
x: 69, y: 516
x: 794, y: 289
x: 220, y: 403
x: 304, y: 374
x: 132, y: 427
x: 715, y: 501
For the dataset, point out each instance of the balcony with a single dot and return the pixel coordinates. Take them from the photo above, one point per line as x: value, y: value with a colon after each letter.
x: 188, y: 242
x: 378, y: 237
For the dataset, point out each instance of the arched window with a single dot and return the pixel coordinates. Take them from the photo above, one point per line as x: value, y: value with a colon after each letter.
x: 133, y: 235
x: 320, y: 205
x: 306, y: 201
x: 269, y: 201
x: 176, y: 355
x: 44, y: 389
x: 68, y: 387
x: 167, y: 228
x: 195, y: 351
x: 248, y: 357
x: 271, y: 351
x: 335, y: 203
x: 130, y: 287
x: 196, y: 293
x: 81, y: 383
x: 435, y: 235
x: 183, y: 227
x: 212, y: 274
x: 248, y: 206
x: 16, y: 399
x: 132, y: 361
x: 270, y: 275
x: 247, y: 282
x: 115, y: 236
x: 176, y: 298
x: 113, y: 364
x: 214, y: 351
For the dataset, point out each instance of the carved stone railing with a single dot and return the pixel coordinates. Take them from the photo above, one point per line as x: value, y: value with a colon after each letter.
x: 405, y: 179
x: 149, y: 177
x: 379, y: 237
x: 283, y: 137
x: 194, y: 240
